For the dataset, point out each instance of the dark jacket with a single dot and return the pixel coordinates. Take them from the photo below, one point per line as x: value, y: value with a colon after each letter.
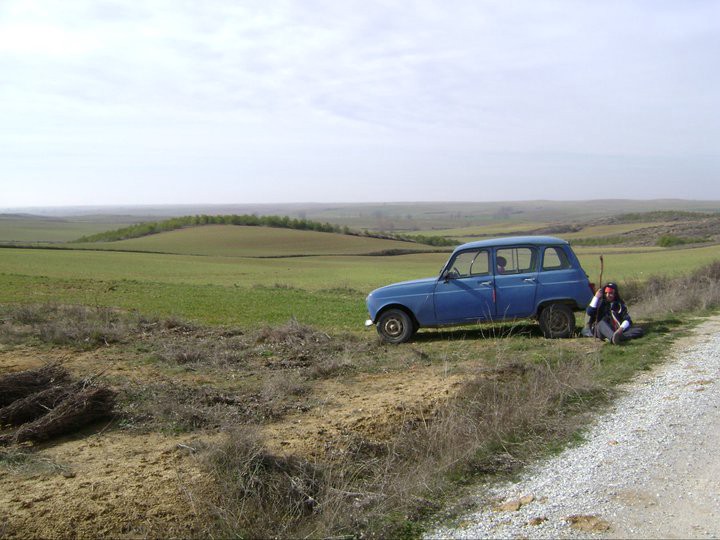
x: 614, y: 313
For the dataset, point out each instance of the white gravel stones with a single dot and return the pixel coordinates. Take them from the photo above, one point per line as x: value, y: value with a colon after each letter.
x: 648, y: 467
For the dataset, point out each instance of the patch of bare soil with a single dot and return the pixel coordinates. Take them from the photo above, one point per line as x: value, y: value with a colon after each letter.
x: 112, y: 484
x: 124, y: 483
x: 366, y: 409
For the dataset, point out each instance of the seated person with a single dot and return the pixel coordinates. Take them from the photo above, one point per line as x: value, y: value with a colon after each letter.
x: 608, y: 317
x: 501, y: 263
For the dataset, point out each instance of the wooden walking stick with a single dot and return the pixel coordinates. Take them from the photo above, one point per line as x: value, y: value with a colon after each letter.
x: 602, y: 297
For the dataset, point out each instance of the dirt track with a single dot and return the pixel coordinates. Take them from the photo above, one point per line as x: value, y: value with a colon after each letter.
x: 680, y: 496
x: 648, y: 468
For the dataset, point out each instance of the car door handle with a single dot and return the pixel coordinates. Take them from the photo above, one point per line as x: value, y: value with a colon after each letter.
x: 488, y: 283
x: 530, y: 280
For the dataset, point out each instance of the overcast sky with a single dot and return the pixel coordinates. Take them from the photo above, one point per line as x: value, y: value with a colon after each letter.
x: 235, y: 101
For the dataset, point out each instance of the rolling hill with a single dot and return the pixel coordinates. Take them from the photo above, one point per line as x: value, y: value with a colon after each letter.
x: 243, y: 241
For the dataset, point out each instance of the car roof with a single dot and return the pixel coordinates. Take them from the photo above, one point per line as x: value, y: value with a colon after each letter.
x: 513, y: 241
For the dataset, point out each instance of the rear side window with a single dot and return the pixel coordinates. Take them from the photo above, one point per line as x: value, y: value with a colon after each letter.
x: 517, y: 260
x: 555, y: 258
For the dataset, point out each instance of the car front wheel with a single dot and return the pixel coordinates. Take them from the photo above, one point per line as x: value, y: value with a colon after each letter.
x: 395, y: 326
x: 557, y: 321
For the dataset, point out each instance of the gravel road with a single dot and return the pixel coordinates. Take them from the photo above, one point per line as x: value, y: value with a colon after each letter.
x: 649, y: 467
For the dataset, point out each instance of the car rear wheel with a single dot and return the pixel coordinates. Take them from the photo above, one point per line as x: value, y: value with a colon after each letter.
x: 395, y: 326
x: 557, y: 321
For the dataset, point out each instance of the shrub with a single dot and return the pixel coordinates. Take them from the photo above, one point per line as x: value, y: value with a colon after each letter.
x: 661, y: 295
x: 77, y: 326
x: 259, y: 494
x: 669, y: 240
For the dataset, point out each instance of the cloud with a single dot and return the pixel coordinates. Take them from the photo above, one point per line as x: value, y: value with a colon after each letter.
x: 321, y: 91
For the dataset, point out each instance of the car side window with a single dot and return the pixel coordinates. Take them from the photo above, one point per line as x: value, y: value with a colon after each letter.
x: 555, y: 258
x: 470, y: 263
x: 517, y: 260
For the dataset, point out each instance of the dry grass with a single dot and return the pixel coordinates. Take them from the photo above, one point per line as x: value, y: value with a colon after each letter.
x: 332, y: 366
x: 274, y: 366
x: 291, y: 334
x: 179, y: 407
x: 260, y: 495
x: 20, y: 461
x: 77, y: 326
x: 488, y: 427
x: 662, y: 296
x: 195, y: 349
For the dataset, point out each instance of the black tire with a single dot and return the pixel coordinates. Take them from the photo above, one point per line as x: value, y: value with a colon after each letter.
x: 395, y: 326
x: 557, y: 321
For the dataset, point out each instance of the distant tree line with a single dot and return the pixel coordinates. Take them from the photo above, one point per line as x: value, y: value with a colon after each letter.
x: 438, y: 241
x: 251, y: 220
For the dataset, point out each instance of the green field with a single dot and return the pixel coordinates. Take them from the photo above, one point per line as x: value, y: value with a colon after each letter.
x: 310, y: 273
x: 15, y: 229
x: 234, y: 241
x: 622, y: 265
x: 253, y: 276
x: 468, y: 234
x: 323, y: 290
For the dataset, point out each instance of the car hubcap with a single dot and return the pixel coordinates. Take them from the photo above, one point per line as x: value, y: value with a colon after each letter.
x: 393, y: 327
x: 557, y: 322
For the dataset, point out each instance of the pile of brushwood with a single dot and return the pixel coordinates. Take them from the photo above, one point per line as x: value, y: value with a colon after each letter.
x: 41, y: 404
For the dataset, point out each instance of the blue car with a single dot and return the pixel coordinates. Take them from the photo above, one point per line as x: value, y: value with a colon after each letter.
x: 490, y: 280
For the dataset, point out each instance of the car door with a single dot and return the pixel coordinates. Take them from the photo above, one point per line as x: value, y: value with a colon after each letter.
x: 516, y: 281
x: 465, y: 291
x: 558, y: 277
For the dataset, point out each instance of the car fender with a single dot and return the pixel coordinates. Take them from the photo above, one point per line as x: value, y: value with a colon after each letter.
x: 559, y: 300
x: 415, y: 297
